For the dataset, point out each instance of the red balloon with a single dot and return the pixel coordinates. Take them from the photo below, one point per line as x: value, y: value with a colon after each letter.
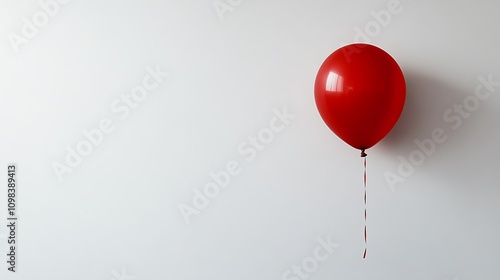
x: 360, y: 93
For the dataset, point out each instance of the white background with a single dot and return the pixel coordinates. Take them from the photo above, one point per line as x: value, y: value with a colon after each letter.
x: 116, y: 216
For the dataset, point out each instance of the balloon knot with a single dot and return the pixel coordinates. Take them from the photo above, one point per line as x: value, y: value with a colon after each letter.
x: 363, y: 154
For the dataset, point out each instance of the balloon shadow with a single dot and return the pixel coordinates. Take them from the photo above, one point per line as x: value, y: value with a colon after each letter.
x: 427, y: 99
x: 465, y: 162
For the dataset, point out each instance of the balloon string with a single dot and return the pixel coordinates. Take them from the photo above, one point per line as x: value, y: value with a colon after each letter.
x: 363, y: 154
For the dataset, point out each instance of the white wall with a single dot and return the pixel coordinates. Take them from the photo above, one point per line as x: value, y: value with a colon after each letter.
x: 116, y: 214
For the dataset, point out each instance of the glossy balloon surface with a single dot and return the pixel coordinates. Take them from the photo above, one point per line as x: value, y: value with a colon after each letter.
x: 360, y: 93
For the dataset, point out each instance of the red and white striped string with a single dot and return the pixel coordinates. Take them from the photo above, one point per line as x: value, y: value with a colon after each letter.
x: 363, y: 155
